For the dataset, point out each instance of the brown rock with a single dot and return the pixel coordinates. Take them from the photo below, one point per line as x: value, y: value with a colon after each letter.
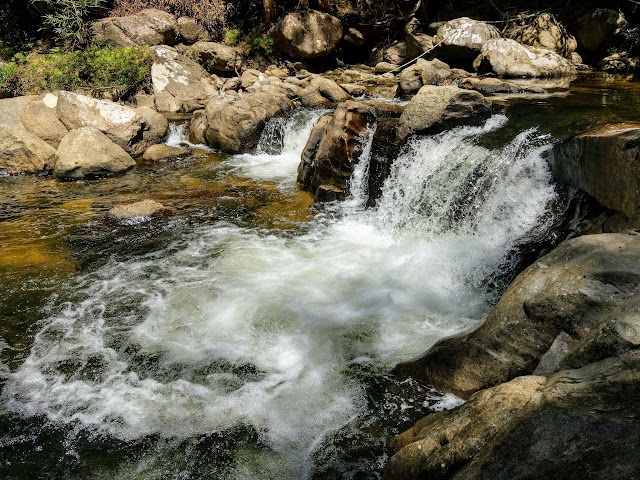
x: 162, y: 152
x: 307, y: 34
x: 145, y: 209
x: 148, y: 27
x: 41, y: 119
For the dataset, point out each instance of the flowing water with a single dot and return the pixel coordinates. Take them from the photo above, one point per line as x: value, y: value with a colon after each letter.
x: 257, y: 341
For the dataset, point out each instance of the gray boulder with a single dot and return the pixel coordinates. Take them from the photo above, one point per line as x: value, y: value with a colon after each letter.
x: 234, y: 124
x: 122, y: 124
x: 87, y: 152
x: 179, y: 83
x: 508, y: 58
x: 40, y: 118
x: 307, y: 34
x: 148, y: 27
x: 434, y: 109
x: 217, y: 56
x: 461, y: 40
x: 597, y: 31
x: 574, y: 424
x: 191, y: 31
x: 574, y: 289
x: 605, y: 163
x: 543, y: 31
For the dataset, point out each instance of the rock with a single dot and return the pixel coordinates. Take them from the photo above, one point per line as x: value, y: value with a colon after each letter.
x: 395, y: 54
x: 620, y: 62
x: 191, y: 31
x: 307, y: 34
x: 596, y: 32
x: 249, y: 77
x: 148, y: 27
x: 508, y: 58
x: 41, y: 119
x: 274, y: 71
x: 233, y: 83
x: 573, y: 289
x: 235, y: 125
x: 23, y: 152
x: 355, y: 90
x: 605, y: 163
x: 385, y: 148
x: 156, y: 126
x: 574, y: 424
x: 144, y: 209
x: 217, y: 56
x: 423, y: 72
x: 123, y: 125
x: 417, y: 44
x: 355, y: 37
x: 144, y: 100
x: 462, y: 40
x: 543, y: 31
x: 334, y: 145
x: 179, y: 83
x: 20, y: 150
x: 198, y: 127
x: 384, y: 67
x: 434, y: 109
x: 322, y: 92
x: 495, y: 86
x: 87, y: 152
x: 162, y: 152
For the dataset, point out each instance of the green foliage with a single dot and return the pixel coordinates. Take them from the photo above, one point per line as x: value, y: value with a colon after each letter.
x: 232, y: 36
x: 69, y: 20
x: 103, y: 68
x: 256, y: 39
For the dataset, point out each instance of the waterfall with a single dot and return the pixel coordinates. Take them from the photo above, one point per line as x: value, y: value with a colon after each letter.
x: 261, y: 338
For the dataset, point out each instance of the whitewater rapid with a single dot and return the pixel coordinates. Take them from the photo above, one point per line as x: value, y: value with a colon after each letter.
x: 233, y: 327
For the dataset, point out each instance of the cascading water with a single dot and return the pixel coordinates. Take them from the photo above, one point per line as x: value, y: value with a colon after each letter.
x: 237, y: 353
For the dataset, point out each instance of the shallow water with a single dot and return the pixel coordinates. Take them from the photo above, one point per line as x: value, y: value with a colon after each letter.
x: 249, y: 336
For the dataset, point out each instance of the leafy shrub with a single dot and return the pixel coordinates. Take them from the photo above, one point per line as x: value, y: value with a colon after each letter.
x: 69, y: 20
x: 232, y: 36
x: 209, y: 13
x: 122, y: 68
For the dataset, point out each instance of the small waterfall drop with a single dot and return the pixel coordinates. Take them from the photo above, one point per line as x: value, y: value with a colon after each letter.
x: 262, y: 337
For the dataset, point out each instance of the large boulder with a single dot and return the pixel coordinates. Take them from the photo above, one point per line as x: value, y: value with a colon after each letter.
x: 148, y: 27
x: 23, y: 152
x: 417, y: 44
x: 336, y: 144
x: 179, y: 83
x: 307, y: 34
x: 597, y: 31
x: 191, y: 31
x: 217, y: 56
x: 581, y: 423
x: 508, y: 58
x: 87, y: 152
x: 234, y: 124
x: 156, y: 126
x: 422, y: 72
x: 122, y: 124
x: 434, y: 109
x: 460, y: 41
x: 494, y: 86
x: 605, y: 163
x: 571, y: 291
x: 20, y: 150
x: 543, y: 31
x: 323, y: 92
x: 41, y: 118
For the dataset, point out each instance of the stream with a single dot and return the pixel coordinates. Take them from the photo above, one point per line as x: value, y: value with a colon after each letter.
x: 252, y: 335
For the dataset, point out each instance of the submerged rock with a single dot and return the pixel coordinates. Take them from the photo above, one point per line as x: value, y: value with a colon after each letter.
x: 433, y: 109
x: 145, y: 209
x: 573, y: 289
x: 158, y: 153
x: 508, y: 58
x: 87, y: 152
x: 148, y: 27
x: 307, y: 34
x: 574, y: 424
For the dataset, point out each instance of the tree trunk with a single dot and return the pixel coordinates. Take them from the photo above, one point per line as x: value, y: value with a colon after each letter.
x: 269, y: 11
